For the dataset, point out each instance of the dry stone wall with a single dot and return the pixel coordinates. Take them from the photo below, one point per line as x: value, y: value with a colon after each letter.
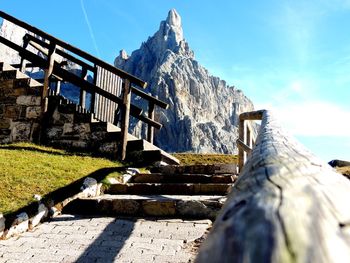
x: 19, y: 112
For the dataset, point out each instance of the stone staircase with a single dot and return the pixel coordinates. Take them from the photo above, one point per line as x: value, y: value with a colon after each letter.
x: 72, y: 127
x: 173, y: 191
x: 67, y: 125
x: 19, y: 105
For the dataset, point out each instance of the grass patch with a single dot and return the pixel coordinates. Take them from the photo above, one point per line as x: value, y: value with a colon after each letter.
x: 195, y: 158
x: 28, y: 169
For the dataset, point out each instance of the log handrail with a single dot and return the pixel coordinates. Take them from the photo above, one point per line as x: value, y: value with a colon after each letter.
x: 286, y: 206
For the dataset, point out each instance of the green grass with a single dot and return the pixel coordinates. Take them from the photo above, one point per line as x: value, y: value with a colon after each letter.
x: 28, y: 169
x: 190, y: 158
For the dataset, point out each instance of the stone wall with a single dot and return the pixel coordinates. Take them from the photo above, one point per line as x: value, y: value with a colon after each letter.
x: 73, y: 130
x: 19, y: 111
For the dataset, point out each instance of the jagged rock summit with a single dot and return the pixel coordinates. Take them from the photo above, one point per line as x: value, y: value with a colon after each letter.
x: 204, y: 110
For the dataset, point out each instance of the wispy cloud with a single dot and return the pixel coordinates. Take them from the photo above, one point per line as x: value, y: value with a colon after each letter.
x: 87, y: 20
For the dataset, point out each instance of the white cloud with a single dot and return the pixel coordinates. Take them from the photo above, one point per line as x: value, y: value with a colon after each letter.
x: 312, y: 118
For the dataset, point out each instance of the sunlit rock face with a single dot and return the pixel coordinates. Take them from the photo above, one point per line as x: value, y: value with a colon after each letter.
x: 203, y: 110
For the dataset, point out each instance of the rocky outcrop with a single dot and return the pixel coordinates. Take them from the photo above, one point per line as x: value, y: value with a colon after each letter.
x: 204, y: 110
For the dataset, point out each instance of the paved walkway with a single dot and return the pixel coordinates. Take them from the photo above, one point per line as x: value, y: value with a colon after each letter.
x: 69, y: 238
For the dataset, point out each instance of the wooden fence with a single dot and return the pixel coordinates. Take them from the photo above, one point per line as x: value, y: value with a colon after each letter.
x: 287, y: 206
x: 110, y: 89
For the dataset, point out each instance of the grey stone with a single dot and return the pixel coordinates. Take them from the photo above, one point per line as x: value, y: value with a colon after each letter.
x: 19, y: 225
x: 196, y: 209
x: 2, y: 224
x: 33, y: 112
x: 21, y: 131
x: 54, y: 132
x: 28, y: 100
x: 41, y: 214
x: 90, y: 187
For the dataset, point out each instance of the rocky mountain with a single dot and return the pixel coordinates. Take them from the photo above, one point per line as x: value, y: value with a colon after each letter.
x: 15, y: 34
x: 204, y: 110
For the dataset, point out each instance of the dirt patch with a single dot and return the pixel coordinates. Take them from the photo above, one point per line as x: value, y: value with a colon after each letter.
x: 344, y: 171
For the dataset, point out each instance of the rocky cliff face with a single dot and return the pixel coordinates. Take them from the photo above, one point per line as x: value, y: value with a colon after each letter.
x: 204, y: 110
x: 15, y: 34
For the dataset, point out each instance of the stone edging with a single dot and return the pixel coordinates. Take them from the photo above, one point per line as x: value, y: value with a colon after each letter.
x: 23, y: 223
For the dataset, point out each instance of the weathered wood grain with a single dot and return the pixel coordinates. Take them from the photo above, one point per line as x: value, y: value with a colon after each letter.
x: 287, y: 206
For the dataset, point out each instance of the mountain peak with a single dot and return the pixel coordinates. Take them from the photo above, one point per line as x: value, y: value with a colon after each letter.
x: 174, y: 19
x: 170, y: 30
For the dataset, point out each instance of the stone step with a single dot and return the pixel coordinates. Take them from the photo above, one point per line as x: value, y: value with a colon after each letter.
x: 141, y: 145
x: 169, y: 188
x: 180, y: 206
x: 197, y: 169
x: 183, y: 178
x: 8, y: 72
x: 147, y: 157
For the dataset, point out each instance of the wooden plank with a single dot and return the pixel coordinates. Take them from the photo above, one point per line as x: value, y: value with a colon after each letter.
x: 286, y: 206
x: 89, y: 87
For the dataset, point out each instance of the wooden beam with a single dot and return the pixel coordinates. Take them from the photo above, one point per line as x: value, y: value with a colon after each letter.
x: 48, y: 72
x: 150, y: 130
x: 41, y: 44
x: 245, y: 147
x: 148, y: 97
x: 286, y: 206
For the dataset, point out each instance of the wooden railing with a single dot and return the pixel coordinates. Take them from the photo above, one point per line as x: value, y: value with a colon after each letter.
x: 110, y: 89
x: 286, y: 206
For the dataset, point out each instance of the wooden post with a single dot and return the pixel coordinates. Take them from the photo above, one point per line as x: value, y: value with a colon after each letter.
x: 48, y: 72
x: 150, y: 129
x: 240, y: 149
x: 125, y: 118
x: 286, y: 206
x: 93, y: 94
x: 82, y: 100
x: 244, y: 135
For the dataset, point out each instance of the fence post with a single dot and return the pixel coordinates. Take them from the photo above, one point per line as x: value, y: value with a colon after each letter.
x: 48, y: 72
x: 150, y: 129
x: 125, y: 118
x: 240, y: 149
x: 82, y: 100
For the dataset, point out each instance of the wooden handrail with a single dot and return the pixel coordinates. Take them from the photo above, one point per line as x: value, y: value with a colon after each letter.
x: 108, y: 81
x: 75, y: 50
x: 148, y: 97
x: 286, y: 206
x: 89, y: 87
x: 58, y: 51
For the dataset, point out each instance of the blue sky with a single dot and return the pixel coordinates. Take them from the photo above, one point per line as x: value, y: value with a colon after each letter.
x: 289, y: 56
